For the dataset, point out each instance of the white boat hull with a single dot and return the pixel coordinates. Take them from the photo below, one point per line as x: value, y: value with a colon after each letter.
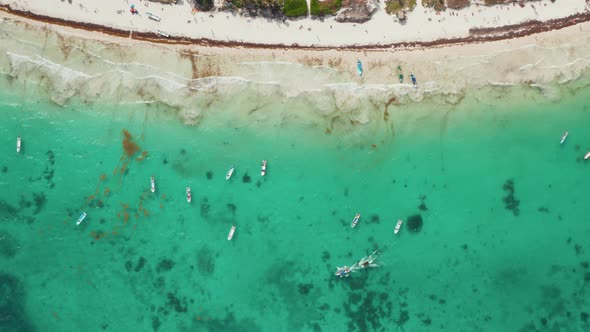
x: 263, y: 168
x: 563, y: 137
x: 18, y: 144
x: 229, y: 173
x: 153, y: 184
x: 587, y: 155
x: 398, y: 226
x: 355, y: 220
x: 231, y: 233
x: 188, y: 194
x: 81, y: 218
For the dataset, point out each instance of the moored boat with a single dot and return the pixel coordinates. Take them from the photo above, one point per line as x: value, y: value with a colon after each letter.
x: 153, y: 184
x: 162, y: 33
x: 563, y: 137
x: 18, y: 144
x: 153, y: 17
x: 587, y: 155
x: 263, y: 168
x: 231, y: 233
x: 229, y: 173
x: 398, y: 226
x: 188, y: 194
x: 81, y: 218
x: 355, y: 220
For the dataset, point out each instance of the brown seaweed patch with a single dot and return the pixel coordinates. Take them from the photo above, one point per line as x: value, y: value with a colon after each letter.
x: 103, y: 177
x: 129, y: 146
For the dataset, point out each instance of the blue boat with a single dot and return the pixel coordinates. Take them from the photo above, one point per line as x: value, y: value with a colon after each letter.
x: 359, y: 67
x: 413, y: 79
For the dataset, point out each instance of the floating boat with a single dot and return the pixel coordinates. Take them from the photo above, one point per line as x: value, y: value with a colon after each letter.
x: 359, y: 67
x: 413, y: 79
x: 398, y: 226
x: 587, y: 155
x: 563, y: 137
x: 153, y: 17
x: 81, y: 218
x: 231, y: 233
x: 229, y: 173
x: 342, y: 271
x: 18, y: 144
x: 368, y: 261
x: 162, y: 33
x: 263, y: 168
x: 188, y: 194
x: 153, y: 184
x: 400, y: 76
x: 355, y: 220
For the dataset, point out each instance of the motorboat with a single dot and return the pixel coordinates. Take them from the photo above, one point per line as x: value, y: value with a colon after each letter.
x: 162, y: 33
x: 231, y: 233
x: 263, y: 168
x: 368, y: 261
x: 398, y: 226
x: 229, y: 173
x: 355, y: 220
x: 81, y: 218
x: 563, y: 137
x: 153, y: 17
x: 153, y: 184
x: 587, y: 155
x: 18, y: 144
x: 343, y: 271
x: 188, y: 194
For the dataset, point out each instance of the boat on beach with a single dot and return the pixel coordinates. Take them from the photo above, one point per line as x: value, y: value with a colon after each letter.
x: 18, y: 144
x: 81, y: 218
x: 263, y: 168
x: 229, y: 173
x: 563, y: 137
x: 162, y: 33
x: 359, y: 67
x: 398, y: 226
x: 587, y: 155
x: 188, y: 194
x: 153, y: 17
x: 231, y: 233
x: 355, y: 220
x: 153, y: 184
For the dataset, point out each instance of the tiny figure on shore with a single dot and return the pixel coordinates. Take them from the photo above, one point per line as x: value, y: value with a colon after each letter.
x: 413, y: 79
x: 133, y: 10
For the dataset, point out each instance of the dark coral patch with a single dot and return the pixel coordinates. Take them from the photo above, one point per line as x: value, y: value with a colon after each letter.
x: 140, y: 264
x: 165, y: 265
x: 304, y: 288
x: 232, y: 208
x: 209, y: 175
x: 205, y: 207
x: 510, y: 201
x: 12, y: 305
x: 415, y: 223
x: 8, y: 245
x: 246, y: 178
x: 205, y: 261
x: 179, y: 305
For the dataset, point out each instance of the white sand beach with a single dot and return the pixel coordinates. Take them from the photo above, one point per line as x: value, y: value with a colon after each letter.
x: 423, y: 24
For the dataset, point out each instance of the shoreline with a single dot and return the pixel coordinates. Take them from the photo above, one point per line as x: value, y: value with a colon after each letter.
x: 476, y: 35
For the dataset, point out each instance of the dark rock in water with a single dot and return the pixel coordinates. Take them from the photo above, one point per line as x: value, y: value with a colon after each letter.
x: 209, y: 175
x: 155, y: 323
x: 246, y: 178
x: 8, y: 245
x: 4, y: 169
x: 415, y: 223
x: 304, y: 288
x: 12, y: 305
x: 232, y: 208
x: 165, y: 265
x: 510, y: 201
x: 357, y: 11
x: 140, y: 264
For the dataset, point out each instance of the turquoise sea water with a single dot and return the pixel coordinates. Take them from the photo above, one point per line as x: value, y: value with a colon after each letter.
x: 502, y: 247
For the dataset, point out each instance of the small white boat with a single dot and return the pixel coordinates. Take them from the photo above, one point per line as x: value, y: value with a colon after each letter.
x: 188, y: 194
x: 355, y: 220
x: 229, y: 173
x: 162, y: 33
x: 81, y: 218
x: 587, y: 155
x: 563, y: 137
x: 153, y: 17
x: 18, y: 144
x: 263, y: 168
x: 398, y: 226
x: 153, y: 184
x: 231, y: 233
